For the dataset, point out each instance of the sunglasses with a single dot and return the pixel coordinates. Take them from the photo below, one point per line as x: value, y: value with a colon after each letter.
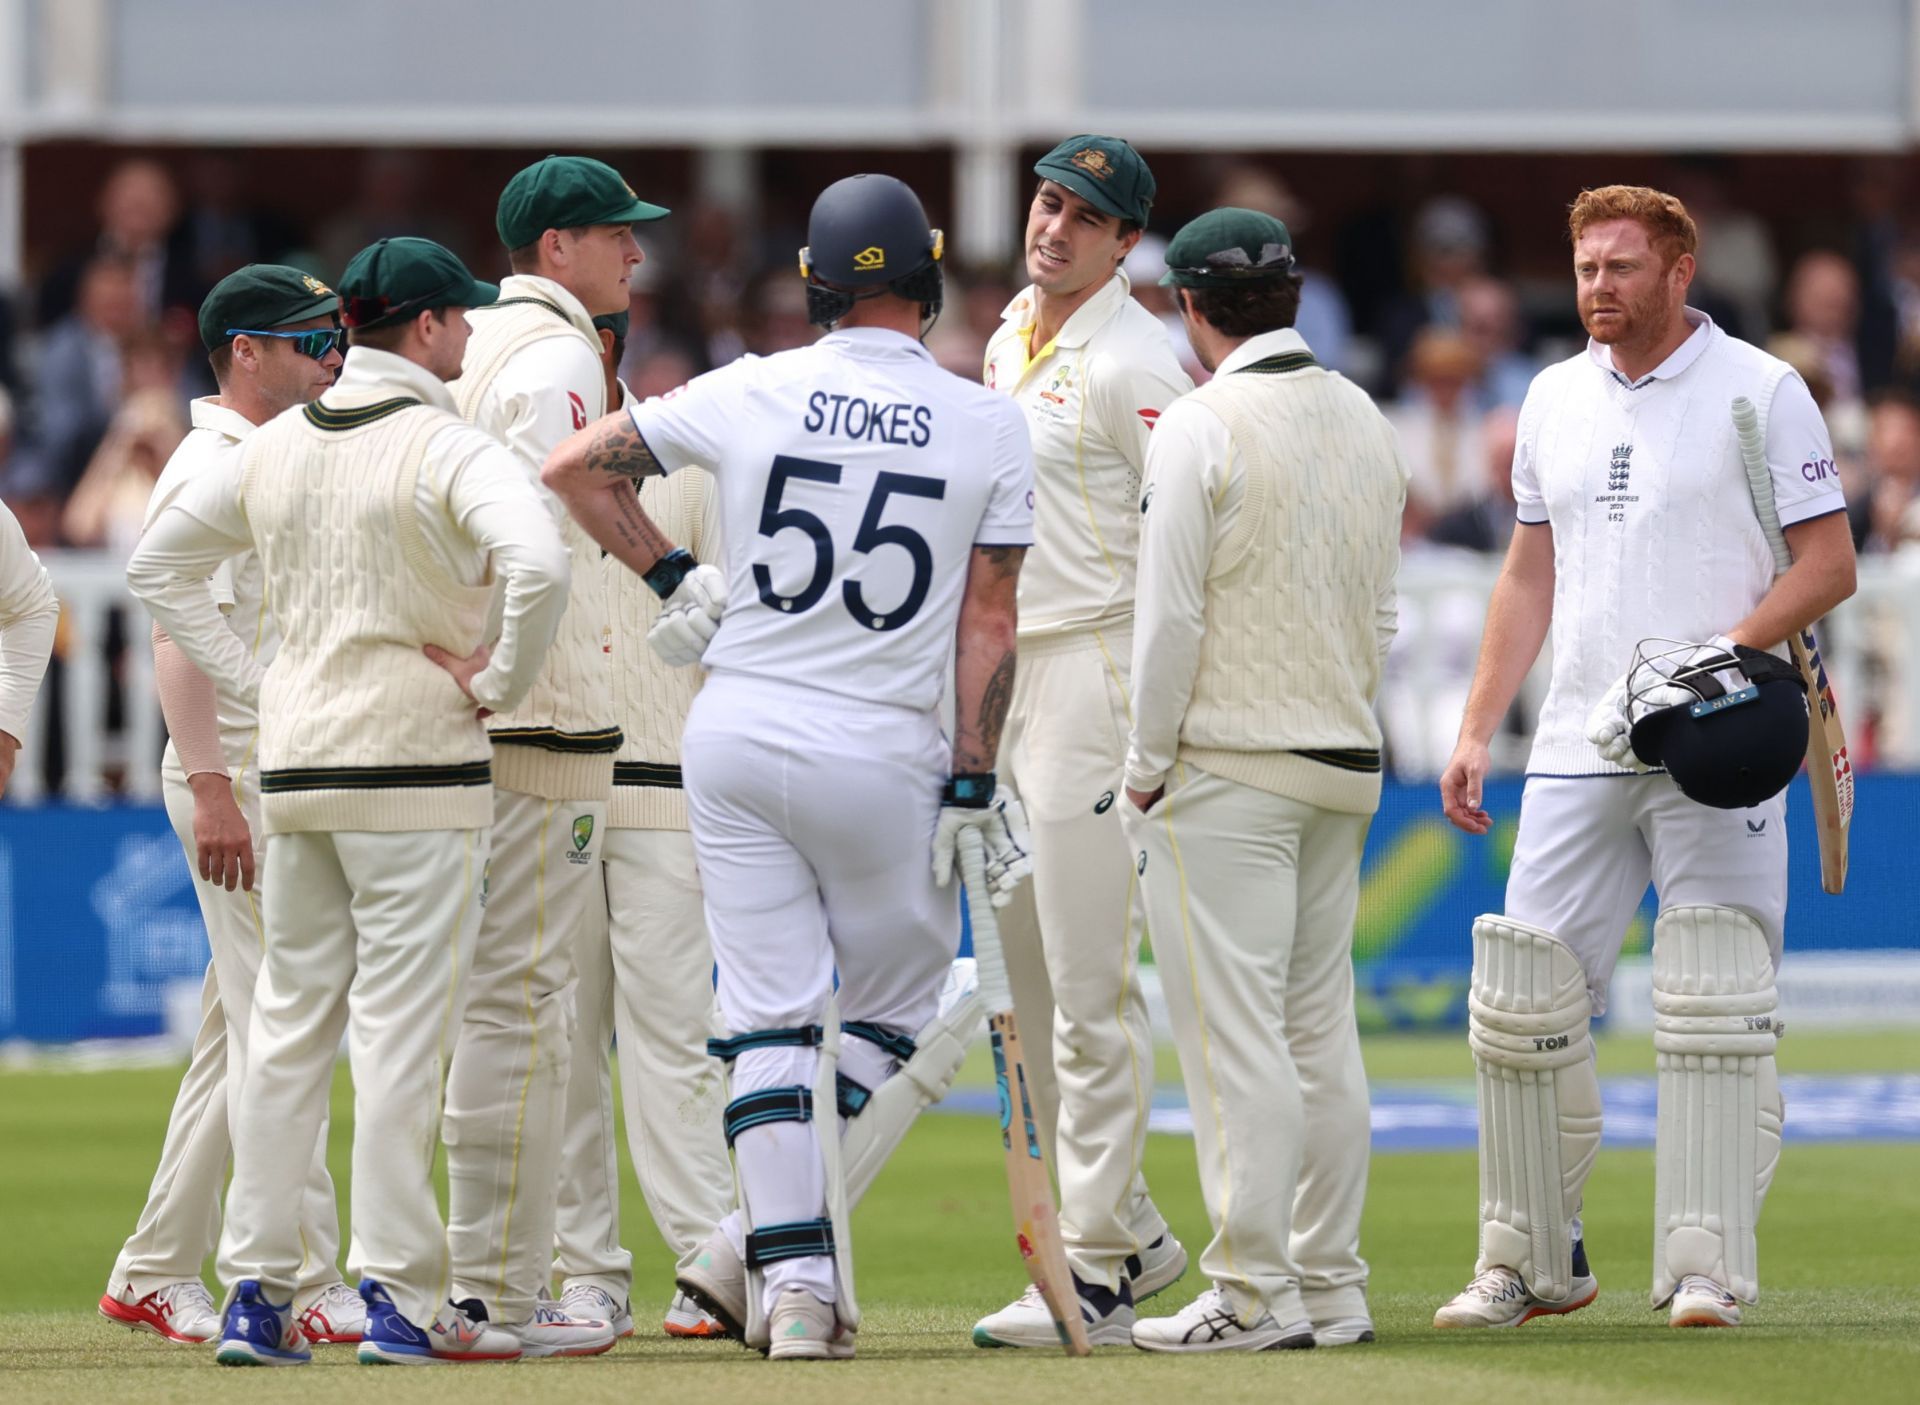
x: 316, y: 342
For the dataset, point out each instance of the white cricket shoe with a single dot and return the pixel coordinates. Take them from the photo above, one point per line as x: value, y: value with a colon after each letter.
x: 1209, y: 1323
x: 589, y: 1300
x: 338, y: 1315
x: 717, y: 1281
x: 689, y: 1321
x: 553, y: 1331
x: 802, y: 1328
x: 1497, y: 1298
x: 1343, y: 1331
x: 181, y: 1312
x: 1700, y: 1302
x: 1026, y: 1322
x: 1156, y: 1268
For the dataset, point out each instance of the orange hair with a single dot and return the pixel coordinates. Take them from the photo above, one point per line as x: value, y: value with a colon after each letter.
x: 1669, y: 227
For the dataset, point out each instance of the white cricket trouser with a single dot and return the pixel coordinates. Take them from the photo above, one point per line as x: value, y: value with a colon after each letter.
x: 180, y: 1224
x: 813, y: 819
x: 645, y: 981
x: 1251, y: 900
x: 506, y: 1093
x: 1072, y: 940
x: 1588, y: 845
x: 373, y: 934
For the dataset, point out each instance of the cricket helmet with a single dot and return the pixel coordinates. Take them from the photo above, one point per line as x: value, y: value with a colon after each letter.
x: 1730, y: 728
x: 867, y: 235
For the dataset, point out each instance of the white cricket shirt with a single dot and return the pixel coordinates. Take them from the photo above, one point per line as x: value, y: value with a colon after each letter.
x: 855, y: 479
x: 1654, y: 532
x: 1090, y: 396
x: 29, y: 618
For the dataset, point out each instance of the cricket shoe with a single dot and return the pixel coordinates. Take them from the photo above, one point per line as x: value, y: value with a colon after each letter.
x: 717, y: 1281
x: 1497, y: 1298
x: 589, y: 1300
x: 454, y: 1337
x: 180, y: 1312
x: 1209, y: 1323
x: 553, y: 1331
x: 1343, y: 1331
x: 1156, y: 1268
x: 1700, y: 1302
x: 1107, y: 1316
x: 802, y: 1328
x: 688, y: 1320
x: 256, y: 1332
x: 338, y: 1315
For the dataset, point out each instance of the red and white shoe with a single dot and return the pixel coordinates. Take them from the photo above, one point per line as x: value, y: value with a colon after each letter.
x: 180, y: 1312
x: 687, y: 1319
x: 339, y: 1314
x: 1700, y: 1302
x: 552, y: 1331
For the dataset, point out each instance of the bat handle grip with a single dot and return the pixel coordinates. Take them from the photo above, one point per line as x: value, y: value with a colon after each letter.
x: 995, y: 991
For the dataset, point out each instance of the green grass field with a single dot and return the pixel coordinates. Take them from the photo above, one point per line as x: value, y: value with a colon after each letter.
x: 1840, y: 1319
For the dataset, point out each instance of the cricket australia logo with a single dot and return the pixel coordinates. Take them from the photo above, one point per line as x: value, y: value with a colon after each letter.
x: 1619, y: 478
x: 581, y: 852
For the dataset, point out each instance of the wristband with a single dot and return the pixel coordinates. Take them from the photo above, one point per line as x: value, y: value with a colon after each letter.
x: 969, y: 792
x: 669, y: 571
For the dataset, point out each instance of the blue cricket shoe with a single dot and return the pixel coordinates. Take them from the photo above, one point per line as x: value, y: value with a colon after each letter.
x: 255, y: 1332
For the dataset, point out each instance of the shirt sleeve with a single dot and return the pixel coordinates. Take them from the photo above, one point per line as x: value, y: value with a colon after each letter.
x: 1129, y: 395
x: 492, y: 500
x: 1008, y: 520
x: 29, y: 616
x: 1800, y: 456
x: 1529, y: 503
x: 169, y: 571
x: 545, y: 392
x: 690, y: 424
x: 1189, y: 465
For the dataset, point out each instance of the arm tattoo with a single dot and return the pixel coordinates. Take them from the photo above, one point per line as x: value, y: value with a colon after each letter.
x: 994, y: 701
x: 617, y: 448
x: 638, y: 533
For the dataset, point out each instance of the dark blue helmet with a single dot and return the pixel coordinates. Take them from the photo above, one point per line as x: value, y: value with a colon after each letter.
x: 868, y: 235
x: 1739, y: 736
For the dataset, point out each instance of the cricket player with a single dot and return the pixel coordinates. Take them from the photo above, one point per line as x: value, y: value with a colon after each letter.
x: 381, y: 522
x: 273, y: 338
x: 1253, y: 770
x: 644, y: 965
x: 1091, y: 370
x: 1635, y: 520
x: 29, y: 618
x: 875, y: 513
x: 533, y: 375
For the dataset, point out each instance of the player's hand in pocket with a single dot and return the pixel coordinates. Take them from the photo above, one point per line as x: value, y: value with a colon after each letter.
x: 690, y: 618
x: 1003, y: 832
x: 465, y: 670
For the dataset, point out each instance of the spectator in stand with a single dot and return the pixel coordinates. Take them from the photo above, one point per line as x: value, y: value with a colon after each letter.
x: 1486, y: 524
x: 1893, y: 469
x: 81, y: 369
x: 138, y: 206
x: 1439, y: 428
x: 1323, y: 321
x: 1490, y: 321
x: 1823, y: 309
x: 109, y: 504
x: 1739, y: 275
x: 221, y: 229
x: 390, y: 201
x: 1449, y: 251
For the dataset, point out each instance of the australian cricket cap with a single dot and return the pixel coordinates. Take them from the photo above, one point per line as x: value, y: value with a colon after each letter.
x: 261, y: 297
x: 1105, y: 172
x: 1226, y: 248
x: 566, y: 192
x: 396, y: 279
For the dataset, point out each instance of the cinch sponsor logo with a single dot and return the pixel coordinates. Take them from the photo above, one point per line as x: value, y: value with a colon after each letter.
x: 1818, y: 470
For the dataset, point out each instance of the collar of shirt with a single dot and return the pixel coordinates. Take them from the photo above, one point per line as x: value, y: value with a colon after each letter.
x: 1683, y: 356
x: 527, y: 285
x: 205, y: 413
x: 371, y: 374
x: 1088, y: 318
x: 876, y: 343
x: 1259, y: 348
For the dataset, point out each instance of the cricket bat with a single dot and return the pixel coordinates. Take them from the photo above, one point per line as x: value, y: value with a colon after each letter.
x: 1035, y: 1226
x: 1829, y: 772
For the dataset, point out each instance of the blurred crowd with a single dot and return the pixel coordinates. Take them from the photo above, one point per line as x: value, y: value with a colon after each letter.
x: 100, y: 355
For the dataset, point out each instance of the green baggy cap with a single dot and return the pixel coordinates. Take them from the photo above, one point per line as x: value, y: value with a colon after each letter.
x: 1104, y: 171
x: 1227, y: 247
x: 396, y: 279
x: 566, y: 192
x: 261, y: 297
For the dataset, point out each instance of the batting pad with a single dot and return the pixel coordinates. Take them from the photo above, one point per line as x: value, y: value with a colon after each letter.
x: 1717, y: 1132
x: 939, y: 1051
x: 1527, y: 1016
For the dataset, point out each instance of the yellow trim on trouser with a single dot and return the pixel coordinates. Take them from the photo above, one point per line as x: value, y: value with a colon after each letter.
x: 533, y: 1039
x: 447, y: 1024
x: 1206, y: 1043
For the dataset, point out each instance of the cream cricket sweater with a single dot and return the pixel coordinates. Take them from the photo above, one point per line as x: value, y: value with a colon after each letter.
x: 532, y: 377
x: 653, y: 699
x: 1270, y: 542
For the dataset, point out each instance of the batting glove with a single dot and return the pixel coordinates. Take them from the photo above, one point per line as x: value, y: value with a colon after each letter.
x: 690, y: 619
x: 971, y: 803
x: 1641, y: 691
